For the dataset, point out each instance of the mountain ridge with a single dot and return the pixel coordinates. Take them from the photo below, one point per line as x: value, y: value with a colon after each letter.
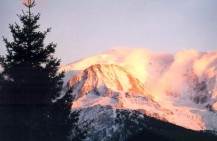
x: 180, y: 89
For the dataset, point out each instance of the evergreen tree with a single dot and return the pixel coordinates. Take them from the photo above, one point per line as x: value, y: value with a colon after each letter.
x: 67, y: 127
x: 31, y: 84
x: 60, y: 116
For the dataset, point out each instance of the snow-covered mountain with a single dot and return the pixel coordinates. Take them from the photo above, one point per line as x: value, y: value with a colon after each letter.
x: 179, y: 88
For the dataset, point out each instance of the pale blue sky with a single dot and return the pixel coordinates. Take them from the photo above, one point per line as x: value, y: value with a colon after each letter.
x: 85, y: 27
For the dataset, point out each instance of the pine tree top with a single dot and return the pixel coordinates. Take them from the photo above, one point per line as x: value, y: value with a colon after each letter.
x: 29, y: 63
x: 29, y: 3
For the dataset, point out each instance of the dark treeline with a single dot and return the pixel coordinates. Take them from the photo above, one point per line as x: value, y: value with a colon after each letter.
x: 138, y: 127
x: 29, y: 85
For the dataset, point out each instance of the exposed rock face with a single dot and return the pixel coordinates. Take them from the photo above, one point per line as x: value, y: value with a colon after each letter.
x: 103, y: 79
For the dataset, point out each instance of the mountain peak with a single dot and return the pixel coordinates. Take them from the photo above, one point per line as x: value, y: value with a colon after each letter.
x: 104, y: 78
x: 180, y: 88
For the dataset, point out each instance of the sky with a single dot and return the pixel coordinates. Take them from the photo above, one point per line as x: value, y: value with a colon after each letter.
x: 86, y: 27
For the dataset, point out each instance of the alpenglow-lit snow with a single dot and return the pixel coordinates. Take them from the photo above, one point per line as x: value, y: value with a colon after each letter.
x: 179, y: 88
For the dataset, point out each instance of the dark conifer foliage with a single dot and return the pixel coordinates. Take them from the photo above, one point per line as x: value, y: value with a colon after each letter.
x: 60, y: 116
x: 31, y: 84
